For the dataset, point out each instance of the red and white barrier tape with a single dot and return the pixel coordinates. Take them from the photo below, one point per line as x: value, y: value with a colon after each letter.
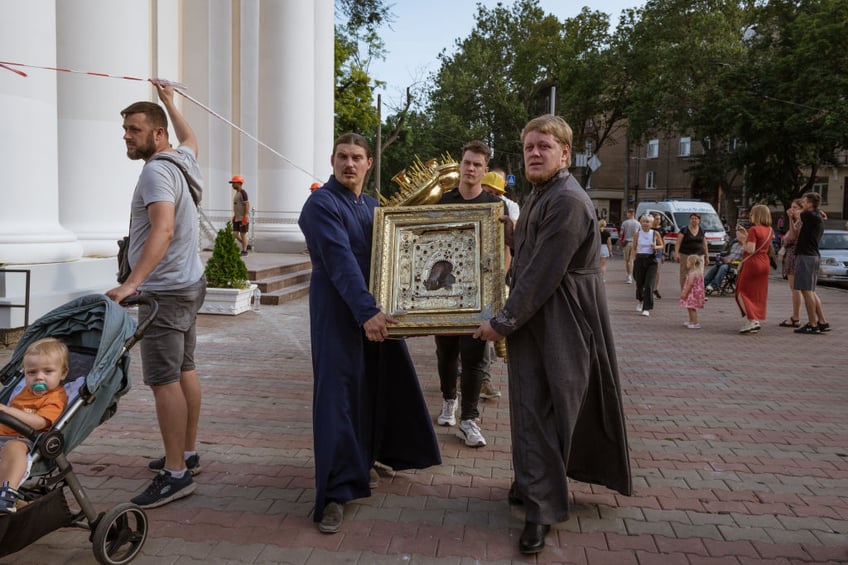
x: 178, y: 88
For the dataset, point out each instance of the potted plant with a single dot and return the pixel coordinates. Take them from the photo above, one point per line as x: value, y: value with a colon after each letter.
x: 228, y: 290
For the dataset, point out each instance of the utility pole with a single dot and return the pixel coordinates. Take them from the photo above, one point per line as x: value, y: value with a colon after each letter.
x: 626, y: 199
x: 379, y: 145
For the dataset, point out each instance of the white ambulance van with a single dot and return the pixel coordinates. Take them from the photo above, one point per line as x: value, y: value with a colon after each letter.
x: 674, y: 216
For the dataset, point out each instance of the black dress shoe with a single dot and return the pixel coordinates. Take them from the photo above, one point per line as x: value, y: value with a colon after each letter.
x: 532, y: 539
x: 513, y: 496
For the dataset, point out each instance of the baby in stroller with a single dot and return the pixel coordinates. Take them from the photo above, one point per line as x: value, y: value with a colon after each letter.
x: 45, y: 365
x: 95, y: 335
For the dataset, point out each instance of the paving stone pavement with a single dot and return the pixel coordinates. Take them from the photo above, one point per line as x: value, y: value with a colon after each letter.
x: 739, y: 448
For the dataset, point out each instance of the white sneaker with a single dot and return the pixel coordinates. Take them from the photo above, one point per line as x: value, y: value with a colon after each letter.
x: 448, y: 415
x: 639, y: 307
x: 751, y: 326
x: 469, y: 430
x: 629, y: 279
x: 646, y: 312
x: 693, y: 325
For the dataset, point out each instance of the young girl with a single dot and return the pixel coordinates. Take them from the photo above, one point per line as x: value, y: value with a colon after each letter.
x: 692, y: 295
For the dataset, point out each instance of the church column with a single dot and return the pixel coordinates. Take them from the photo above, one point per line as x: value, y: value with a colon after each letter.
x: 246, y: 103
x: 286, y: 110
x: 29, y: 219
x: 207, y: 71
x: 96, y: 178
x: 325, y: 89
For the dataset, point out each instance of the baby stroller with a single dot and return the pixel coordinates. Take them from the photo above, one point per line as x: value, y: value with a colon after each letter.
x: 99, y: 334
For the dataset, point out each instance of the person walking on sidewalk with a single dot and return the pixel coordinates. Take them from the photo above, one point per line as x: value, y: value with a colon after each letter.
x: 241, y: 212
x: 464, y: 350
x: 166, y: 266
x: 628, y: 229
x: 646, y: 242
x: 565, y: 403
x: 367, y: 404
x: 807, y: 258
x: 658, y: 227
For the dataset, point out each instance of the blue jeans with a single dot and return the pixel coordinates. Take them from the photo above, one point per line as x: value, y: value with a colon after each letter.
x: 715, y: 275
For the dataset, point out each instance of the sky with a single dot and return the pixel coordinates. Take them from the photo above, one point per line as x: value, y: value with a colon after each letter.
x: 421, y: 29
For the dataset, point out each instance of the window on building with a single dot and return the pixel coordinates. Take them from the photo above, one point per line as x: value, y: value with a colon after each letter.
x: 821, y: 187
x: 653, y: 149
x: 650, y: 180
x: 589, y: 148
x: 685, y: 148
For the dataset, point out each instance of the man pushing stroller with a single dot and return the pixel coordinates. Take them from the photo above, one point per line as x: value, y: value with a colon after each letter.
x: 166, y: 266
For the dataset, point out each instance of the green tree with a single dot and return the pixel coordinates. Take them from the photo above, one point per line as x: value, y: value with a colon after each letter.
x: 225, y: 268
x: 357, y: 43
x: 680, y: 59
x: 501, y: 76
x: 792, y: 101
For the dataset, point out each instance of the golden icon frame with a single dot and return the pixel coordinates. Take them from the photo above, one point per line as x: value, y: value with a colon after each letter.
x: 438, y: 270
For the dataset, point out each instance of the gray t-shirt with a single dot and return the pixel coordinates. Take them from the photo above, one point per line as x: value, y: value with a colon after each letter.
x: 628, y: 229
x: 161, y: 181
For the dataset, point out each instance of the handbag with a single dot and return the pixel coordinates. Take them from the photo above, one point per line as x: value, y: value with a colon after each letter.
x: 124, y: 268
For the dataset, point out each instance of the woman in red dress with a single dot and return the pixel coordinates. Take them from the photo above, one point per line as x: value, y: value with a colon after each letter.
x: 752, y: 284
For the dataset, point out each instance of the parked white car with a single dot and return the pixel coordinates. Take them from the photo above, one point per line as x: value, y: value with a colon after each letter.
x: 833, y: 247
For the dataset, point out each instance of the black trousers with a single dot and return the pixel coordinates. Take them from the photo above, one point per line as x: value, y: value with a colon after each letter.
x: 451, y: 351
x: 644, y: 273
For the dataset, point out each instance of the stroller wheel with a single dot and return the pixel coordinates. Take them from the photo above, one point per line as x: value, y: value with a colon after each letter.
x: 119, y: 534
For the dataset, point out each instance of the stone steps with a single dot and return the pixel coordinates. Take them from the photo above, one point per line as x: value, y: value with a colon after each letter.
x: 283, y: 282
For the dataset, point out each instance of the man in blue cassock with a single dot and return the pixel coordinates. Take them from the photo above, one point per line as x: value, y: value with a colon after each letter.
x: 367, y: 403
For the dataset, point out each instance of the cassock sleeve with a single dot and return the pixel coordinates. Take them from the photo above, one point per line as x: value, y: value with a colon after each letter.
x: 329, y: 244
x: 561, y: 227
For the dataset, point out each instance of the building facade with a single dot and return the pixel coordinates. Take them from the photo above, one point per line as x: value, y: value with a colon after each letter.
x: 264, y: 65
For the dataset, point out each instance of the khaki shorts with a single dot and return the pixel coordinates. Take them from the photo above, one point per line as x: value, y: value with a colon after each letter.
x: 628, y: 252
x: 167, y: 348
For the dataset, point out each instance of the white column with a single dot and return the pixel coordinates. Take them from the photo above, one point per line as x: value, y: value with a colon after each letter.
x: 246, y: 162
x: 324, y: 87
x: 206, y: 67
x: 96, y: 178
x: 286, y: 109
x: 29, y: 219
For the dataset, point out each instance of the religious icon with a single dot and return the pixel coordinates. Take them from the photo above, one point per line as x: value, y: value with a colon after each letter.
x: 438, y: 269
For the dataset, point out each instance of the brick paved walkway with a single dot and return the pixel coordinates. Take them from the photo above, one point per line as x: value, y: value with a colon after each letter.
x: 739, y: 447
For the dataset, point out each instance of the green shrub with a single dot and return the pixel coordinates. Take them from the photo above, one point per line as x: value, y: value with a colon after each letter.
x: 225, y: 269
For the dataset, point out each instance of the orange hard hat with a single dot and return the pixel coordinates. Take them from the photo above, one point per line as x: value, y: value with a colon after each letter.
x: 237, y: 178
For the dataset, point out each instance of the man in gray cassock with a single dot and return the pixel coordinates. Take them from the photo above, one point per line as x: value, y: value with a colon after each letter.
x: 564, y: 394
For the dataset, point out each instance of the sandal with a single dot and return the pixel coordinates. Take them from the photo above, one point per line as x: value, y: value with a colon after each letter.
x: 790, y: 323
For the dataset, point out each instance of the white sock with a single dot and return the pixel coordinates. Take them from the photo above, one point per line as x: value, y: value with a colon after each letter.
x: 176, y: 474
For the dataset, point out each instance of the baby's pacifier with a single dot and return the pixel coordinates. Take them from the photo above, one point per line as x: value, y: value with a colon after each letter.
x: 39, y: 388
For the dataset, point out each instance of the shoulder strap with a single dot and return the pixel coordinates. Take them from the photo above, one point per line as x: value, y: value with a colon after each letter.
x: 194, y: 189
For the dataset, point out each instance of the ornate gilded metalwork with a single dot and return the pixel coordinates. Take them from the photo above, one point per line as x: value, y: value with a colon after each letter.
x: 424, y: 183
x: 438, y: 270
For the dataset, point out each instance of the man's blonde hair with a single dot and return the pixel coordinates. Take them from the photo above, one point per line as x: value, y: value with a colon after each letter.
x: 550, y: 124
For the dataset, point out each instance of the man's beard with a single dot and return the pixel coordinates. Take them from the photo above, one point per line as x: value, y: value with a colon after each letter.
x: 143, y: 152
x: 541, y: 178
